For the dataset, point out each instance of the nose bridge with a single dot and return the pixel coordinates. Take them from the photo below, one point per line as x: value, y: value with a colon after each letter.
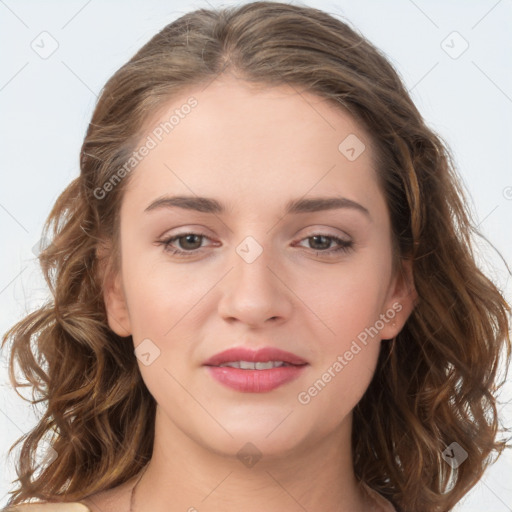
x: 253, y: 264
x: 252, y: 292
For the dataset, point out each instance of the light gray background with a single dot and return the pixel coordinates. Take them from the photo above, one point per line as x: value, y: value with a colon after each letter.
x: 46, y: 105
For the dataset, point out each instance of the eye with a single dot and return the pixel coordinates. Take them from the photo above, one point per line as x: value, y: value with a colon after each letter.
x: 323, y: 242
x: 190, y: 244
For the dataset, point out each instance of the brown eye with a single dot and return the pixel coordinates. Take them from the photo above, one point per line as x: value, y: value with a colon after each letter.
x: 190, y: 242
x: 184, y: 244
x: 322, y: 244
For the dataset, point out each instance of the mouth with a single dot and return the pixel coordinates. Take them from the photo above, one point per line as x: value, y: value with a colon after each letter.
x: 247, y: 358
x: 255, y: 371
x: 250, y: 365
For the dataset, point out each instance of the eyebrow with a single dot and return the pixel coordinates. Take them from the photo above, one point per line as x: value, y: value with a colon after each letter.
x: 209, y: 205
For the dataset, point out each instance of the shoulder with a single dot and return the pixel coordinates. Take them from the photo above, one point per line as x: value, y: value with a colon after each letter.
x: 110, y: 500
x: 74, y: 506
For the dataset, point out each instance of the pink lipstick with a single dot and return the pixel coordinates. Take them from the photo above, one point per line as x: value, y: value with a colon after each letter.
x: 251, y: 371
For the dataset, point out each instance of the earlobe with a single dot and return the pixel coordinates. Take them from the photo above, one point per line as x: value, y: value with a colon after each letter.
x: 401, y: 300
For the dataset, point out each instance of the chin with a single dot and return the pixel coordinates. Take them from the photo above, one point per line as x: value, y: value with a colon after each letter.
x: 254, y: 443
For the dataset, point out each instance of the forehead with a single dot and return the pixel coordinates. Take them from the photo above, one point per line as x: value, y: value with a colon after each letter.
x: 259, y: 144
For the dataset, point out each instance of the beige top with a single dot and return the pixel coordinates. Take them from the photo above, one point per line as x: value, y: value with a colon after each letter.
x: 74, y: 506
x: 383, y: 505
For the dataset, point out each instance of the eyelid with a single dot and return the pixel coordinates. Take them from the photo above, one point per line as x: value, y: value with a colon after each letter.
x: 325, y: 231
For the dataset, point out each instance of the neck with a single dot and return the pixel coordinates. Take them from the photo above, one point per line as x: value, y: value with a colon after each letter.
x: 184, y: 474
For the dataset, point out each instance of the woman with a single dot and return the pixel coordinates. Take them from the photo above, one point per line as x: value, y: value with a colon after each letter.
x: 264, y: 288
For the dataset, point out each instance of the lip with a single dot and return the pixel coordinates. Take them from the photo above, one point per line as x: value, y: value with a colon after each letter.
x: 255, y: 381
x: 261, y: 355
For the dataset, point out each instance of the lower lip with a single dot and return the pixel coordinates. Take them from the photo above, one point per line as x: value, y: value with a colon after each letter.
x: 255, y: 381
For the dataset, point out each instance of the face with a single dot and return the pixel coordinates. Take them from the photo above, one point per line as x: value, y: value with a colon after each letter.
x: 198, y: 278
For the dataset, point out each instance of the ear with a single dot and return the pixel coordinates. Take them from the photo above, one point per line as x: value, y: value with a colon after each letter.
x: 113, y: 293
x: 400, y: 302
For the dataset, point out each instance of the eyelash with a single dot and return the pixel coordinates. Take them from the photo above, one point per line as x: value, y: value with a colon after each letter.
x: 344, y: 245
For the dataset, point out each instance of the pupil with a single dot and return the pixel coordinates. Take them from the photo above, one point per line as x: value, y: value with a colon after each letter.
x: 325, y: 244
x: 188, y: 239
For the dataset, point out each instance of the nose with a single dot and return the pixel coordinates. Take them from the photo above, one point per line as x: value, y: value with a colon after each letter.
x: 255, y: 293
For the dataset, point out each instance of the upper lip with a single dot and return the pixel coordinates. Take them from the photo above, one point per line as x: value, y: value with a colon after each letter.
x: 261, y: 355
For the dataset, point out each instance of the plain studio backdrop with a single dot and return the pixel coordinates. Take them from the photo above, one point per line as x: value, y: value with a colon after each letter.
x: 453, y: 56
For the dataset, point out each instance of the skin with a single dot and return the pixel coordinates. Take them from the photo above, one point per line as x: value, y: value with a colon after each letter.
x: 253, y: 149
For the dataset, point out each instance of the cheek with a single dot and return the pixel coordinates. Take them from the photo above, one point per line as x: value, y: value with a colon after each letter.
x: 161, y: 296
x: 346, y: 352
x: 348, y: 301
x: 350, y: 349
x: 348, y: 338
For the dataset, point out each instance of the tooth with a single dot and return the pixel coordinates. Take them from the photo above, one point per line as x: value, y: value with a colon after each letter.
x: 249, y: 365
x: 234, y: 364
x: 265, y: 366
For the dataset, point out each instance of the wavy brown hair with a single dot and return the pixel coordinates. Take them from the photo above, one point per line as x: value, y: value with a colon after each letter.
x: 438, y: 385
